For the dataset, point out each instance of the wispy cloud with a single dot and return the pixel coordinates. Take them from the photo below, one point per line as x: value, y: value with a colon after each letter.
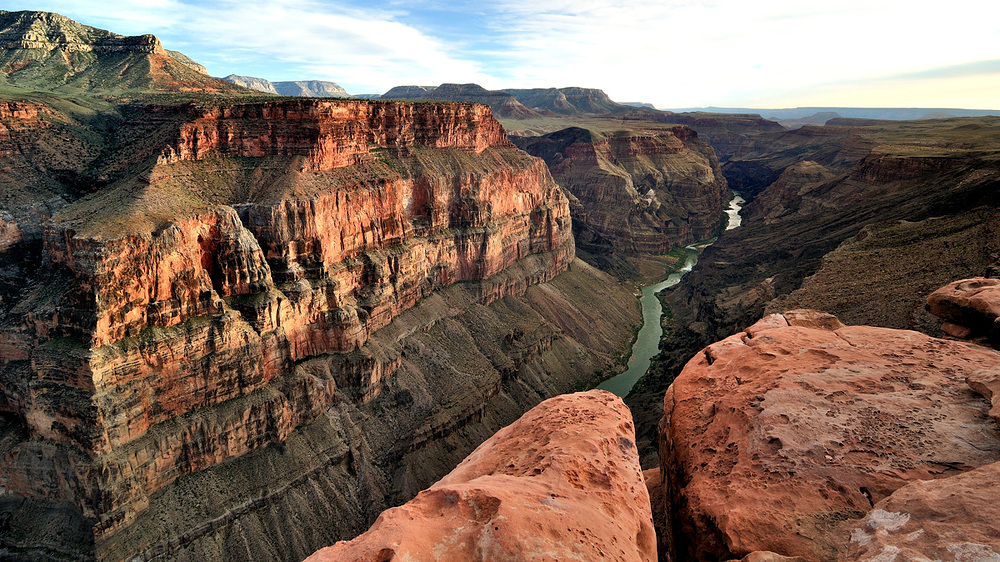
x: 284, y: 40
x: 673, y: 53
x: 685, y: 53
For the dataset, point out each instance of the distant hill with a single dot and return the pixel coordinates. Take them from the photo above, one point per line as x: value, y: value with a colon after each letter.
x: 568, y: 101
x: 819, y: 118
x: 885, y: 113
x: 300, y: 88
x: 641, y: 104
x: 519, y: 103
x: 503, y: 103
x: 50, y: 52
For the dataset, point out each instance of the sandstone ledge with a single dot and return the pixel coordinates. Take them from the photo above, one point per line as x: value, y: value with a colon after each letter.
x: 775, y: 436
x: 563, y: 482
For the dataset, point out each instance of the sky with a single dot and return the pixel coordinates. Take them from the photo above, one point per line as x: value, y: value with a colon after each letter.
x: 671, y: 53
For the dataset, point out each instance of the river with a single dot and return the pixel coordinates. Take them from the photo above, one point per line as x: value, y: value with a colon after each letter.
x: 647, y: 343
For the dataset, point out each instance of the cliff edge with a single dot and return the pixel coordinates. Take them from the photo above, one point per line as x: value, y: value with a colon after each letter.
x: 561, y: 483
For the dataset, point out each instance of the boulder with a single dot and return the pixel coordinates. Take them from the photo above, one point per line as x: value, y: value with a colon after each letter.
x: 561, y: 483
x: 969, y: 308
x: 956, y: 518
x: 774, y: 436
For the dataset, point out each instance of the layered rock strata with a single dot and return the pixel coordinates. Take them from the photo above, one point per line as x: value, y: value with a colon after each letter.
x: 227, y: 295
x: 636, y: 192
x: 561, y: 483
x: 774, y: 437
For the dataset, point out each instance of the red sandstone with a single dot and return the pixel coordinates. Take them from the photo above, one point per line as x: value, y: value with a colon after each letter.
x: 775, y: 435
x: 561, y: 483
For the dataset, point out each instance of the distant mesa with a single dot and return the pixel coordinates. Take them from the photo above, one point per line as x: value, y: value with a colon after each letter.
x: 502, y: 103
x: 818, y: 118
x: 568, y: 101
x: 50, y: 52
x: 297, y: 88
x: 518, y: 103
x: 639, y: 104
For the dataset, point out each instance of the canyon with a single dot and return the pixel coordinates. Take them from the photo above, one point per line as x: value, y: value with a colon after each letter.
x: 893, y: 209
x: 234, y: 326
x: 799, y: 438
x: 225, y: 314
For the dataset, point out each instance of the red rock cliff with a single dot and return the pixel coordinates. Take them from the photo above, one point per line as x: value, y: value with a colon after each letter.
x: 332, y: 134
x: 162, y: 340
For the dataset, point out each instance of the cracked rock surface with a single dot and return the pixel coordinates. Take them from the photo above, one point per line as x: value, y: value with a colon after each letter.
x: 774, y: 437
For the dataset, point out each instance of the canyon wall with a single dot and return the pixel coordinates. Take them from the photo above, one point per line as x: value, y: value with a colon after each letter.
x: 635, y: 193
x: 256, y: 295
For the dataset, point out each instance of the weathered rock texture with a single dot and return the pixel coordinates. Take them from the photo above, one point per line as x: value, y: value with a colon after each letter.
x: 951, y: 518
x: 635, y: 192
x: 773, y: 437
x: 218, y: 299
x: 970, y: 308
x: 561, y: 483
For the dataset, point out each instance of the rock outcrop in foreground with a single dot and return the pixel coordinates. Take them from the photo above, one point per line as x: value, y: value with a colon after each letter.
x: 561, y: 483
x: 804, y: 437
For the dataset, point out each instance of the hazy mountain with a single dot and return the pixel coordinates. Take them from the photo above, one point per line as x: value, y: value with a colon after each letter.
x: 890, y: 113
x: 300, y: 88
x: 503, y: 103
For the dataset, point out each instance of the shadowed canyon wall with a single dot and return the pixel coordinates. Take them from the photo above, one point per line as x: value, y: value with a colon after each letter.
x: 635, y: 193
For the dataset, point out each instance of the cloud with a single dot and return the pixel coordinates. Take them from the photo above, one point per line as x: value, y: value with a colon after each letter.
x: 685, y: 53
x: 673, y: 53
x: 285, y: 40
